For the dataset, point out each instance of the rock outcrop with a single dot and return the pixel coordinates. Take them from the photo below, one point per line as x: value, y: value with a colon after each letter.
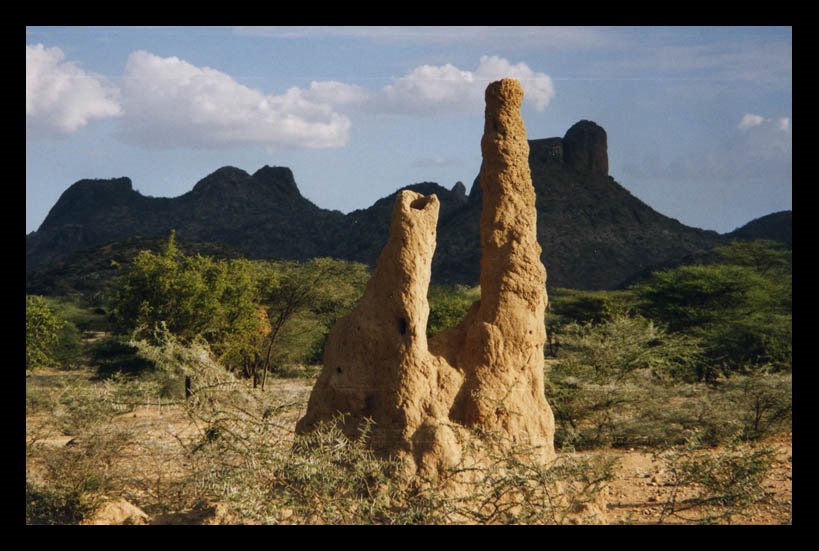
x: 424, y: 396
x: 593, y: 232
x: 585, y: 148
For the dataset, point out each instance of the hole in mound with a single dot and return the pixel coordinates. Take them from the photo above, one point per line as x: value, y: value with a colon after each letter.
x: 421, y: 202
x: 338, y: 370
x: 402, y: 326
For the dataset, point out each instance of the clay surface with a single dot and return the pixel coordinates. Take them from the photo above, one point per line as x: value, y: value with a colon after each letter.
x: 427, y: 397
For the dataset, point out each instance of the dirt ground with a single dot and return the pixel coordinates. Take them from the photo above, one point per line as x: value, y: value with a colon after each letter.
x: 154, y: 434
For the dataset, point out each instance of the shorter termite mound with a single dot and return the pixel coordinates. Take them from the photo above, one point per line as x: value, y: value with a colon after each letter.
x: 426, y: 397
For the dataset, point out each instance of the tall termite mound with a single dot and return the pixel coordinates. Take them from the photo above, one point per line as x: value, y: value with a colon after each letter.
x: 424, y: 395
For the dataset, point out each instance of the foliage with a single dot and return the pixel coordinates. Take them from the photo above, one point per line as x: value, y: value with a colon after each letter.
x: 578, y: 306
x: 608, y: 351
x: 68, y: 347
x: 618, y: 383
x: 42, y: 332
x: 255, y: 315
x: 763, y: 402
x: 726, y: 485
x: 311, y: 297
x: 192, y: 295
x: 77, y: 310
x: 448, y: 306
x: 763, y: 256
x: 742, y: 313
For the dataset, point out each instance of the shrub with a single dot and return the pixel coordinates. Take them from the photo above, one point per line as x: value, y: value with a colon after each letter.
x: 608, y: 351
x: 42, y: 332
x: 68, y: 348
x: 725, y: 485
x: 578, y: 306
x: 116, y: 354
x: 742, y: 313
x: 448, y: 306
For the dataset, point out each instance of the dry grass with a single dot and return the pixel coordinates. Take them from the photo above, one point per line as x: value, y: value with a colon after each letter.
x: 234, y: 445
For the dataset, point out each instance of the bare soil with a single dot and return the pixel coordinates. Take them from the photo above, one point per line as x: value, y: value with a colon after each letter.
x: 153, y: 435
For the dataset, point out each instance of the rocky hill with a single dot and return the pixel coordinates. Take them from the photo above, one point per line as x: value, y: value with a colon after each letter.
x: 594, y: 233
x: 777, y: 226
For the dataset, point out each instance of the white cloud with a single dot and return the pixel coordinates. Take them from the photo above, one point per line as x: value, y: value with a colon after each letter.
x: 538, y: 87
x: 170, y: 102
x: 336, y: 93
x: 61, y: 97
x: 749, y: 120
x: 437, y: 89
x: 765, y: 125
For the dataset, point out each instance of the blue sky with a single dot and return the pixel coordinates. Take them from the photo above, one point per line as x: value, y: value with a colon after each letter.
x: 699, y: 120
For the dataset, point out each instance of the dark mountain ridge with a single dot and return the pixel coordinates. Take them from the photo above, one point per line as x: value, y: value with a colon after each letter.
x: 593, y: 232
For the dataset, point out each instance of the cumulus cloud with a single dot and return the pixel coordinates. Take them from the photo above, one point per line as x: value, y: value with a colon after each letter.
x: 437, y: 89
x: 749, y: 120
x: 60, y: 96
x: 336, y: 93
x: 170, y: 102
x: 784, y: 124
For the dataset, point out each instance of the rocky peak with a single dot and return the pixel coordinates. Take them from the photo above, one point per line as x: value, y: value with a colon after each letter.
x: 278, y: 178
x: 585, y: 148
x: 227, y: 177
x: 546, y: 150
x: 85, y: 197
x: 459, y: 192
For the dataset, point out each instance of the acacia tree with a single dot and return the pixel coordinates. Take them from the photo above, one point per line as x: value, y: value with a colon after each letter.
x: 764, y: 256
x: 741, y: 312
x: 303, y: 301
x: 254, y: 314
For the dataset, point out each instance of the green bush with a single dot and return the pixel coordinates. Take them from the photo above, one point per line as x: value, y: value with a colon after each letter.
x: 624, y: 382
x: 68, y: 348
x: 115, y: 354
x: 608, y: 351
x: 741, y: 312
x: 257, y: 316
x: 726, y: 485
x: 42, y: 332
x: 50, y: 506
x: 448, y: 306
x: 578, y: 306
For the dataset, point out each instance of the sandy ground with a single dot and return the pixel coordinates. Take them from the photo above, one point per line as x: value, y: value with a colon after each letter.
x: 156, y: 434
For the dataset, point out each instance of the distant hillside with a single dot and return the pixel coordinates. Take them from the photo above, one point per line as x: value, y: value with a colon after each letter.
x: 594, y: 233
x: 777, y: 226
x: 94, y: 270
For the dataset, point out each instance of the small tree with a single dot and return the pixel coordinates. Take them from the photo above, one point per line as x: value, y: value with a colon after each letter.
x: 303, y: 302
x: 42, y: 332
x: 763, y: 256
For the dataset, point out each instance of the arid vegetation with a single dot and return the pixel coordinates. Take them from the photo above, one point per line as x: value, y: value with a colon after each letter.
x: 179, y: 390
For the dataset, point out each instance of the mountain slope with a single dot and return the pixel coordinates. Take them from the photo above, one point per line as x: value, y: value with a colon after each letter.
x: 593, y: 232
x: 777, y: 226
